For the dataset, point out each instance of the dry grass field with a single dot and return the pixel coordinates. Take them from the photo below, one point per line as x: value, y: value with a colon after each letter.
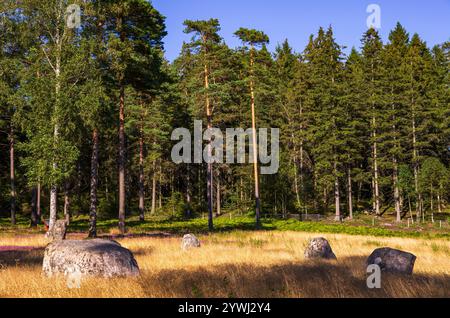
x: 237, y: 264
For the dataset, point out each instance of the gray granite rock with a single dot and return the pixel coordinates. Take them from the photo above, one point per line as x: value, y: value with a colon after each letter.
x: 319, y: 248
x: 393, y: 261
x: 93, y: 258
x: 190, y: 241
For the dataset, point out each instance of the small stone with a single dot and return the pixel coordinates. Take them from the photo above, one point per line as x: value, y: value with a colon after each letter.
x: 190, y: 241
x: 319, y: 248
x: 393, y: 261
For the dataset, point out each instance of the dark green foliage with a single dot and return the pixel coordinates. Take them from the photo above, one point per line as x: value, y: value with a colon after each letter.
x: 333, y: 111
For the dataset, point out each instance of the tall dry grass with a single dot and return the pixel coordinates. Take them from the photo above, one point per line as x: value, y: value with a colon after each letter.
x: 240, y: 264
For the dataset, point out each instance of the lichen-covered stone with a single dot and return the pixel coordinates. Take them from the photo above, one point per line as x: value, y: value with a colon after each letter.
x: 93, y: 258
x: 393, y: 261
x: 190, y: 241
x: 319, y: 248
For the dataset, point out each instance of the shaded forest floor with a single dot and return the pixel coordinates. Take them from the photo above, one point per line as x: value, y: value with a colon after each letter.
x: 236, y: 264
x: 164, y: 226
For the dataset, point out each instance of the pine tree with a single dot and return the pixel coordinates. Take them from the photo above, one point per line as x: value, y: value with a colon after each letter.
x: 255, y: 39
x: 354, y: 128
x: 289, y: 95
x: 372, y: 93
x: 206, y: 40
x: 326, y: 116
x: 395, y: 114
x: 417, y: 66
x: 134, y: 32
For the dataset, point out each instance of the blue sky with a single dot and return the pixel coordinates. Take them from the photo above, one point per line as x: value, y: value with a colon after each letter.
x: 297, y: 19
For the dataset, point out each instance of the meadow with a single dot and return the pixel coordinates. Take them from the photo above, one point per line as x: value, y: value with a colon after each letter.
x: 234, y: 263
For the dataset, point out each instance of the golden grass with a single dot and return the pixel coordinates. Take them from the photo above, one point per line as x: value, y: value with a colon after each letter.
x: 239, y: 264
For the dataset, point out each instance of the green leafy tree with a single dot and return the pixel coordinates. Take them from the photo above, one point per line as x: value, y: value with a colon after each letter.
x: 434, y: 180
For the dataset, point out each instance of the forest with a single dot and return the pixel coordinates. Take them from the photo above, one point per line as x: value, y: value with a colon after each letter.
x: 87, y: 111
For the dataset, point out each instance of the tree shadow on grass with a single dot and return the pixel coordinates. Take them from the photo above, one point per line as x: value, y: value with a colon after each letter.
x: 345, y: 278
x: 19, y: 258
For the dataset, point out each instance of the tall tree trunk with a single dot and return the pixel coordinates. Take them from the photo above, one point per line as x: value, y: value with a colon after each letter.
x: 241, y: 189
x: 141, y: 177
x: 122, y: 159
x: 34, y: 216
x: 79, y: 190
x: 296, y: 186
x: 122, y: 194
x: 38, y: 202
x: 154, y: 188
x: 439, y: 203
x: 337, y: 195
x: 431, y: 199
x: 350, y: 195
x: 188, y: 192
x: 57, y: 69
x: 410, y: 209
x: 398, y: 209
x: 415, y: 151
x: 94, y: 185
x: 302, y: 186
x: 210, y: 180
x: 160, y: 185
x: 316, y: 191
x: 397, y: 203
x: 53, y: 188
x: 218, y: 197
x: 416, y: 167
x: 255, y: 142
x: 376, y: 190
x: 66, y: 201
x: 12, y: 175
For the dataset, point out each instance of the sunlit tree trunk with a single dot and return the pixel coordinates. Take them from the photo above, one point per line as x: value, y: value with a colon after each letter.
x: 255, y: 141
x: 210, y: 181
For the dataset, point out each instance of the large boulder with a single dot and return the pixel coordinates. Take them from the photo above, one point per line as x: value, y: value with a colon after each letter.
x: 319, y: 248
x: 93, y: 258
x: 393, y: 261
x: 58, y: 231
x: 190, y: 241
